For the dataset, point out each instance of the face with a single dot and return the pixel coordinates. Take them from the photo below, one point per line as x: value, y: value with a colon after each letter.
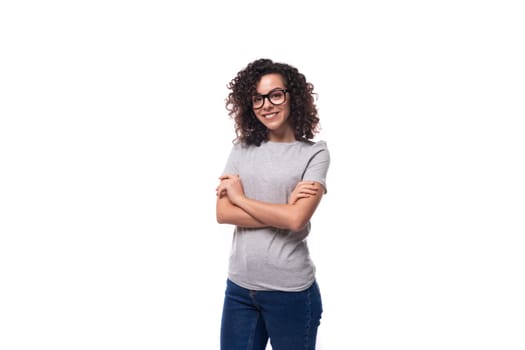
x: 274, y: 117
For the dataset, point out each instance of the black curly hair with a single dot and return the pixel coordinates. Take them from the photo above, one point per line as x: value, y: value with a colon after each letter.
x: 303, y: 111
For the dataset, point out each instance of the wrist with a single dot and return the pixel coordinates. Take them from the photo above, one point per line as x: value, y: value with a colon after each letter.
x: 239, y: 200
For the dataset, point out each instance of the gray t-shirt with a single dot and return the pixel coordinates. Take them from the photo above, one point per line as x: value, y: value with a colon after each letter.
x: 270, y: 258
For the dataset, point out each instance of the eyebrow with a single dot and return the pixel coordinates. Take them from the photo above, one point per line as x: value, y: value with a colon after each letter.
x: 269, y: 92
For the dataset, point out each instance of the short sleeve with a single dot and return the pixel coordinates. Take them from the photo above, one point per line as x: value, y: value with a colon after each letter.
x: 232, y: 162
x: 318, y: 165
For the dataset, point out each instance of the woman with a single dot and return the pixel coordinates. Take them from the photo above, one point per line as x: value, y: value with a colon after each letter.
x: 273, y: 181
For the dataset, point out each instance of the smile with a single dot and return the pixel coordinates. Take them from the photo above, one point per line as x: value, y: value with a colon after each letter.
x: 269, y: 116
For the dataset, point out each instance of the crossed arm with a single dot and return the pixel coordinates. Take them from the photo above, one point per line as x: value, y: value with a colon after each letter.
x: 233, y: 207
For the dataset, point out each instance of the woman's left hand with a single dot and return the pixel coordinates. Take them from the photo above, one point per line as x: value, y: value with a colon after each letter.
x: 231, y: 186
x: 304, y: 189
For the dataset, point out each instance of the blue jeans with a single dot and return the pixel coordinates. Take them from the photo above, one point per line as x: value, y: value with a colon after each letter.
x: 289, y: 319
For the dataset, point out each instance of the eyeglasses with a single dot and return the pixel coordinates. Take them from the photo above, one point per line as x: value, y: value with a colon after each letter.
x: 276, y: 97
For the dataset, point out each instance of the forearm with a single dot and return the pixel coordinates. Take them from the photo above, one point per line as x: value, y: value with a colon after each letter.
x: 285, y: 216
x: 228, y: 213
x: 293, y: 216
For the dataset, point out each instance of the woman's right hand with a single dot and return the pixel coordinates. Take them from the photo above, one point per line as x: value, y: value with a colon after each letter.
x: 303, y: 189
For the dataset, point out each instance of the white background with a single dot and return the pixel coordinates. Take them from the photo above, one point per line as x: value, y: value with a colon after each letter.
x: 113, y: 132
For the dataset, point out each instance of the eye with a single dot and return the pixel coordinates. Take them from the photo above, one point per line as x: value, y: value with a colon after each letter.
x: 277, y: 95
x: 257, y: 99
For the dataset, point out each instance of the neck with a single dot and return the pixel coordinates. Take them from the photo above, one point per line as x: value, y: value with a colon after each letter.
x: 281, y: 136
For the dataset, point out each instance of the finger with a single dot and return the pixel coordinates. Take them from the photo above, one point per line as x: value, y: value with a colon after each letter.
x: 221, y: 188
x: 227, y: 176
x: 306, y: 184
x: 310, y: 193
x: 308, y: 188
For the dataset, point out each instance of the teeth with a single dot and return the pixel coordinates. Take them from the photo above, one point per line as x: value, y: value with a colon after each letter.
x: 270, y: 115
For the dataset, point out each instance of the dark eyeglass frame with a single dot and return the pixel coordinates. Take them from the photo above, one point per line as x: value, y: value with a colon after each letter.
x: 267, y: 96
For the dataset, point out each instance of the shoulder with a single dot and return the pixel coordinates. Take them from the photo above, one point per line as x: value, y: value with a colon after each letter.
x: 239, y: 149
x: 239, y: 146
x: 321, y: 144
x: 315, y: 147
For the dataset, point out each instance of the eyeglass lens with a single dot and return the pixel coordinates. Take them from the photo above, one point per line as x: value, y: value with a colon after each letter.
x: 276, y: 97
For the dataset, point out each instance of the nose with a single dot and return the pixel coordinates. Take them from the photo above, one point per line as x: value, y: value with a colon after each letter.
x: 266, y: 103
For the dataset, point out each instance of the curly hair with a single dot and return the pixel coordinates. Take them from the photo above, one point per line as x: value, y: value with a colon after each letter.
x: 303, y: 111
